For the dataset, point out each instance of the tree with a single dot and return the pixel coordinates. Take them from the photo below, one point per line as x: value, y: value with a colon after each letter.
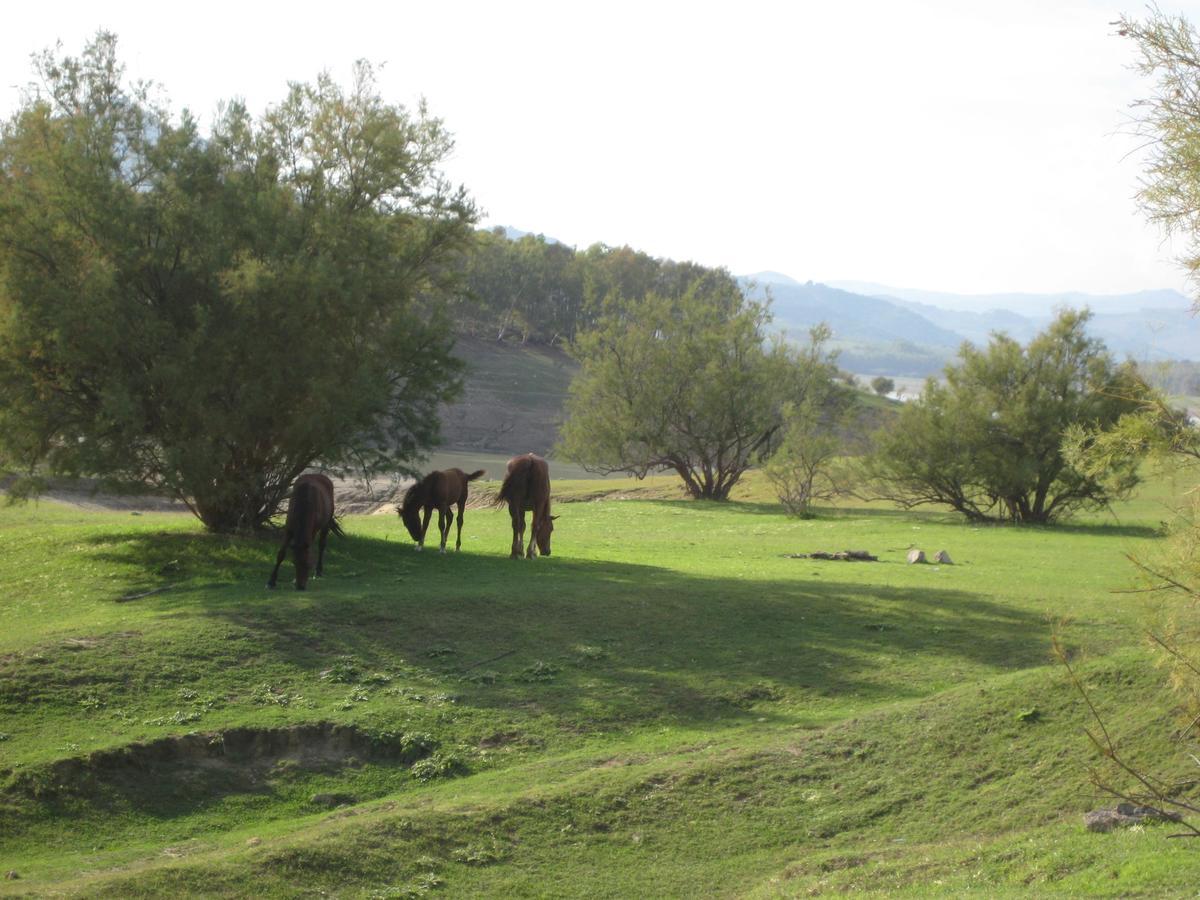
x: 882, y: 385
x: 210, y: 315
x: 802, y: 470
x: 988, y: 442
x: 684, y: 383
x: 1168, y: 126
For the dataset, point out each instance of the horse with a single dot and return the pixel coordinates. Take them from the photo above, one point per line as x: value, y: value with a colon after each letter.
x: 310, y: 510
x: 527, y: 487
x: 437, y: 490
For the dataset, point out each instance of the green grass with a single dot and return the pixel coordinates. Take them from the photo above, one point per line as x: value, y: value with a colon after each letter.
x: 667, y: 706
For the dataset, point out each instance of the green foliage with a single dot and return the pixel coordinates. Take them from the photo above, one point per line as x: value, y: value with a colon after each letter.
x: 208, y: 315
x: 1168, y: 122
x: 882, y: 385
x: 803, y: 469
x: 989, y: 442
x: 684, y: 384
x: 544, y: 292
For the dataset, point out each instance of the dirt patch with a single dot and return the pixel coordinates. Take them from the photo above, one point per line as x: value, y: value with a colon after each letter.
x: 252, y: 752
x: 500, y: 739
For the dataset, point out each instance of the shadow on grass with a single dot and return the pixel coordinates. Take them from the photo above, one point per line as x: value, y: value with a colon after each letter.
x: 595, y: 643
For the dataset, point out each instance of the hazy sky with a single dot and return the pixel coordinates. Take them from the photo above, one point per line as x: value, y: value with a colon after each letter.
x: 960, y: 146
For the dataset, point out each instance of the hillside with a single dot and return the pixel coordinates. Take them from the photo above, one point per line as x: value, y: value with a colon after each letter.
x: 513, y: 398
x: 514, y: 402
x: 668, y: 706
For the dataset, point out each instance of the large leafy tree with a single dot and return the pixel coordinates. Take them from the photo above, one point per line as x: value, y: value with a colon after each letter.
x: 686, y: 383
x: 208, y: 315
x: 989, y: 441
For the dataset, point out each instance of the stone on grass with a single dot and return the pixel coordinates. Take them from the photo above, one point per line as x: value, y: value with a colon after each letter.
x: 1125, y: 814
x: 944, y: 558
x: 916, y: 556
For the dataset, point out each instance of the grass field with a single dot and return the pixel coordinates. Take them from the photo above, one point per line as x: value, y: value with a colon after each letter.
x: 668, y: 705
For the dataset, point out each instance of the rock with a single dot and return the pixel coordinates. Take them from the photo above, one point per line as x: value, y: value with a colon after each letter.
x: 916, y: 556
x: 842, y: 555
x: 1125, y: 814
x: 11, y: 875
x: 331, y: 800
x: 944, y: 558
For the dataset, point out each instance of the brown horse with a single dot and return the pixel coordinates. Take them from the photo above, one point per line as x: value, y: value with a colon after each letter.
x: 310, y: 510
x: 437, y: 490
x: 527, y: 487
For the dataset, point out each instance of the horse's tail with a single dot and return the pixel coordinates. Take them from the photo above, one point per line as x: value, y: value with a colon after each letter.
x: 335, y: 525
x: 478, y: 473
x: 505, y: 493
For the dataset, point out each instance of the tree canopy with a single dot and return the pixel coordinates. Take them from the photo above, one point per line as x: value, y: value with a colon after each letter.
x: 686, y: 383
x: 210, y: 314
x: 989, y: 442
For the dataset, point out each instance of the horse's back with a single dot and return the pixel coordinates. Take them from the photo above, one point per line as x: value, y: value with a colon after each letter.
x: 322, y: 492
x: 527, y: 482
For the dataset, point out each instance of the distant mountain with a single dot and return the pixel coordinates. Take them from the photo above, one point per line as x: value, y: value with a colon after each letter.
x: 1026, y: 304
x: 902, y: 331
x: 770, y: 278
x: 853, y: 317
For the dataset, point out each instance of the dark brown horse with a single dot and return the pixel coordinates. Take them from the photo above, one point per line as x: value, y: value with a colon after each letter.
x: 437, y: 490
x: 310, y: 511
x: 527, y: 487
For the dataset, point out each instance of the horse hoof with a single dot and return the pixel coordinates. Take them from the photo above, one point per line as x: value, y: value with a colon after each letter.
x: 419, y: 548
x: 442, y: 551
x: 270, y: 585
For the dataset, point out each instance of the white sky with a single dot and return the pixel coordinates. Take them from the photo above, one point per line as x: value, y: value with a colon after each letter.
x: 959, y: 146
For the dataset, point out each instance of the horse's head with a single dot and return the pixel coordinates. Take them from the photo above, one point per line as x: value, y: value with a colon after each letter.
x: 300, y: 554
x: 545, y: 529
x: 410, y: 512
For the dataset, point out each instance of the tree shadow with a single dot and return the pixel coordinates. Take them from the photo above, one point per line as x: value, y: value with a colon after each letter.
x: 594, y: 643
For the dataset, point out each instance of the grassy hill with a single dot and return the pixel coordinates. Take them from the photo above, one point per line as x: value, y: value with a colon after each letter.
x: 667, y: 706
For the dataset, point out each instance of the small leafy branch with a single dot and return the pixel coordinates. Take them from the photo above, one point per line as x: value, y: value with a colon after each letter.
x: 1156, y: 794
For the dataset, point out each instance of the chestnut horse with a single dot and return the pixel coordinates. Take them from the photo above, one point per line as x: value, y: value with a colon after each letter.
x: 437, y: 490
x: 310, y: 510
x: 527, y: 487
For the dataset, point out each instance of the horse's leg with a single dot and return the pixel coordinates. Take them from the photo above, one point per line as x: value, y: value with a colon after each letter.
x: 445, y: 519
x: 518, y: 527
x: 279, y: 559
x: 321, y: 552
x: 424, y: 528
x: 458, y: 538
x: 531, y: 550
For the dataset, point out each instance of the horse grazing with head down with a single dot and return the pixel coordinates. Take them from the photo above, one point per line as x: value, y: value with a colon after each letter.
x: 310, y: 512
x: 527, y: 487
x: 437, y: 490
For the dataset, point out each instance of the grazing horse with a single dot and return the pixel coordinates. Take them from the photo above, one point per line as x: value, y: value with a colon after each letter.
x: 310, y: 510
x: 437, y: 490
x: 527, y: 487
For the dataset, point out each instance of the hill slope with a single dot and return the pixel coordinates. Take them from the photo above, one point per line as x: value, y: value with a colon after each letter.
x: 668, y: 706
x: 513, y: 398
